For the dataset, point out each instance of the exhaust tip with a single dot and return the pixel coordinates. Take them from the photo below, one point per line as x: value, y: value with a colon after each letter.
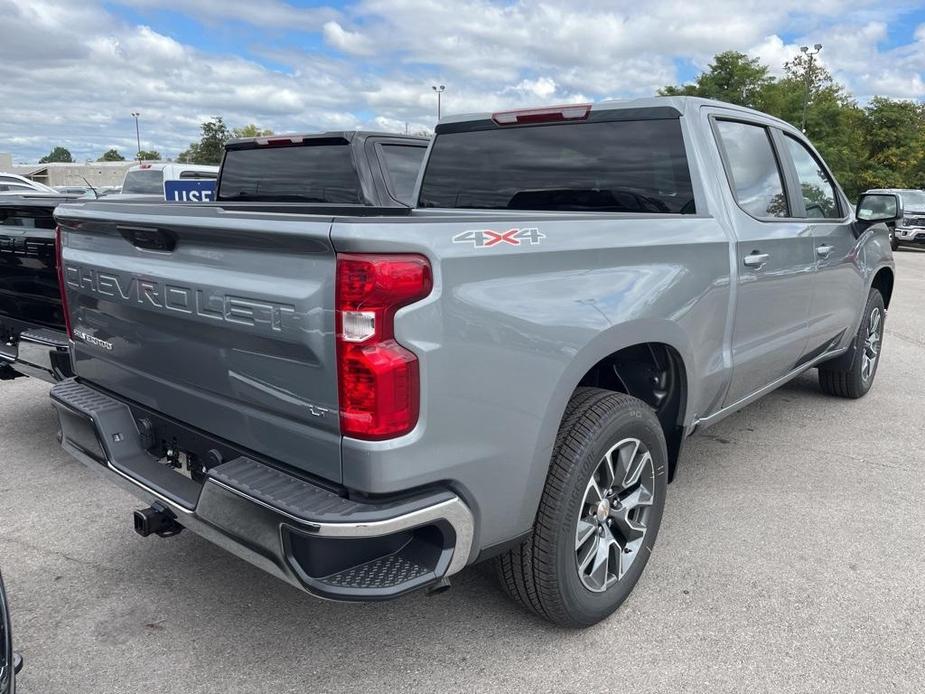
x: 441, y: 586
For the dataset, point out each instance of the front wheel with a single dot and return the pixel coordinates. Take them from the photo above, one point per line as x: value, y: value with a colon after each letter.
x: 599, y: 514
x: 856, y: 379
x: 894, y: 244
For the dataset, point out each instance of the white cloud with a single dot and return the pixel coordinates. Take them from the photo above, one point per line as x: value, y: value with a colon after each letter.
x: 71, y: 70
x: 348, y: 41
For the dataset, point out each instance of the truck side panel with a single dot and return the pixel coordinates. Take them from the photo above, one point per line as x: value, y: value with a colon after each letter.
x: 510, y: 330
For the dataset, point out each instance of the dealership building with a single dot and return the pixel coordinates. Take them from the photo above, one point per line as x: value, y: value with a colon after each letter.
x: 97, y: 173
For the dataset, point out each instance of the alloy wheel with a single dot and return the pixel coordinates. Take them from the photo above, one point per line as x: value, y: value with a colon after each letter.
x: 871, y: 352
x: 612, y: 522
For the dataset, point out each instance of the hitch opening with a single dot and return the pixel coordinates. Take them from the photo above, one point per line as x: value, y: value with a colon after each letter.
x: 156, y: 520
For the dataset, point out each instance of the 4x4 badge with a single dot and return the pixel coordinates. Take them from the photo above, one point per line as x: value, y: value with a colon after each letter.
x: 488, y: 238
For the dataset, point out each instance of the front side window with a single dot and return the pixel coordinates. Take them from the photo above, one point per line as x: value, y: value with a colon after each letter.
x: 752, y: 169
x: 815, y: 185
x: 635, y: 166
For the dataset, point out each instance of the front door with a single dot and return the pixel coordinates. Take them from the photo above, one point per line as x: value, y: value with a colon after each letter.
x: 775, y: 258
x: 839, y: 290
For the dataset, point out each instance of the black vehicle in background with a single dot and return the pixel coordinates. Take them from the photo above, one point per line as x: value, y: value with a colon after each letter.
x: 10, y: 662
x: 33, y: 337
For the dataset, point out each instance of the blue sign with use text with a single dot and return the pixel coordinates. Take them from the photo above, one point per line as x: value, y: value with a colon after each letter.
x: 190, y: 190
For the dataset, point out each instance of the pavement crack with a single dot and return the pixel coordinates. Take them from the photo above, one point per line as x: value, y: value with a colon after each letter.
x: 57, y: 553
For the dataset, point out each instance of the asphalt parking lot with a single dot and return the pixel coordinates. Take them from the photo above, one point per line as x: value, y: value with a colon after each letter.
x: 790, y: 559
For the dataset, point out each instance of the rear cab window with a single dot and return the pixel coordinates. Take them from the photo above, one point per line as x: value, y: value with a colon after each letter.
x: 144, y: 182
x: 318, y: 171
x: 636, y: 166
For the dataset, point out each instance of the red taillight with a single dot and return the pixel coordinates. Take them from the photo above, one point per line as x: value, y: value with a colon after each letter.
x: 549, y: 114
x: 59, y: 262
x: 378, y: 378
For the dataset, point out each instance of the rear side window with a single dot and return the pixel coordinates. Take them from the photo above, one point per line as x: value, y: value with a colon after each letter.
x: 402, y: 164
x: 610, y: 166
x: 144, y: 182
x: 752, y: 169
x: 815, y: 186
x: 199, y: 175
x: 306, y: 173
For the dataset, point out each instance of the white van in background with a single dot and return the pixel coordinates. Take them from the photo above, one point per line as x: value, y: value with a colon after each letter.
x: 147, y: 178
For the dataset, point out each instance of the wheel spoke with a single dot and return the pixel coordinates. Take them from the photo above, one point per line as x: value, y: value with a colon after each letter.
x: 586, y: 528
x: 627, y: 466
x: 593, y: 493
x: 601, y: 564
x: 629, y: 529
x: 640, y: 496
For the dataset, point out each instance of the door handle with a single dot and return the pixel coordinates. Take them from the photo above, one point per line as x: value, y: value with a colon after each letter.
x: 823, y: 251
x: 756, y: 260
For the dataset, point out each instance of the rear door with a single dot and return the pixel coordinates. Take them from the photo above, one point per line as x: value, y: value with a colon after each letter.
x: 774, y: 257
x: 839, y: 290
x: 217, y: 318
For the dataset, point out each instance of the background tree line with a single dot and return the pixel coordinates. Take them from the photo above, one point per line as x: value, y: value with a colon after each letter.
x: 880, y: 145
x: 209, y: 149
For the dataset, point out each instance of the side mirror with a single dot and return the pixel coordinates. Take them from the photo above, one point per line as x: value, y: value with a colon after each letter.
x: 879, y: 207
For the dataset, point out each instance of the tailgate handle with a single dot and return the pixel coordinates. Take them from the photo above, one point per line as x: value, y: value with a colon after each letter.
x: 149, y: 239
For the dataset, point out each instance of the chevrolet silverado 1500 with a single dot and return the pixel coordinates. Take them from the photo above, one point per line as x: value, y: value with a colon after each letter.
x: 363, y: 401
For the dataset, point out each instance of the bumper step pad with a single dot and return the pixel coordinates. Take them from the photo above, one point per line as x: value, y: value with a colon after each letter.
x: 329, y: 545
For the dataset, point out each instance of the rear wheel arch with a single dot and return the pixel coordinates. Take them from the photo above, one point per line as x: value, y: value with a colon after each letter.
x: 666, y: 336
x: 654, y: 372
x: 883, y: 282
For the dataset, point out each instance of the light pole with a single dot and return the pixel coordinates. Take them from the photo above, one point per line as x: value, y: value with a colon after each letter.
x: 809, y: 73
x: 439, y: 91
x: 135, y: 115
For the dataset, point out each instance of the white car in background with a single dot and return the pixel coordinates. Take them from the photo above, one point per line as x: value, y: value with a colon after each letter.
x: 14, y: 184
x: 147, y: 178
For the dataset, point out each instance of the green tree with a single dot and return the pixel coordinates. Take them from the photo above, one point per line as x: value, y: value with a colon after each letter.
x: 58, y: 154
x: 879, y: 145
x: 149, y: 155
x: 250, y: 130
x: 211, y: 145
x: 732, y: 77
x: 895, y: 138
x: 111, y: 155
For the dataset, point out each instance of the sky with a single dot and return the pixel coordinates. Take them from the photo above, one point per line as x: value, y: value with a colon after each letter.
x: 72, y: 72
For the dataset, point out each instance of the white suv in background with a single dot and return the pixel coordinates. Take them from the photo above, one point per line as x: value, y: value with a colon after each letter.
x: 147, y: 178
x: 910, y: 230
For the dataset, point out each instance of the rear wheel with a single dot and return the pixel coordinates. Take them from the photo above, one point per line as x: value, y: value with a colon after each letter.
x: 856, y: 379
x: 599, y: 514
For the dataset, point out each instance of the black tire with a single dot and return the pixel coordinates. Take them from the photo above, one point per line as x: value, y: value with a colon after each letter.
x: 542, y: 573
x: 894, y: 244
x: 850, y: 381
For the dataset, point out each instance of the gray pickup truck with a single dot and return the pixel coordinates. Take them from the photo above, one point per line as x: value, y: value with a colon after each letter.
x: 364, y: 401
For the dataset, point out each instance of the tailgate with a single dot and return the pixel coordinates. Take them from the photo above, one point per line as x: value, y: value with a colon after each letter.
x: 28, y: 276
x: 220, y: 320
